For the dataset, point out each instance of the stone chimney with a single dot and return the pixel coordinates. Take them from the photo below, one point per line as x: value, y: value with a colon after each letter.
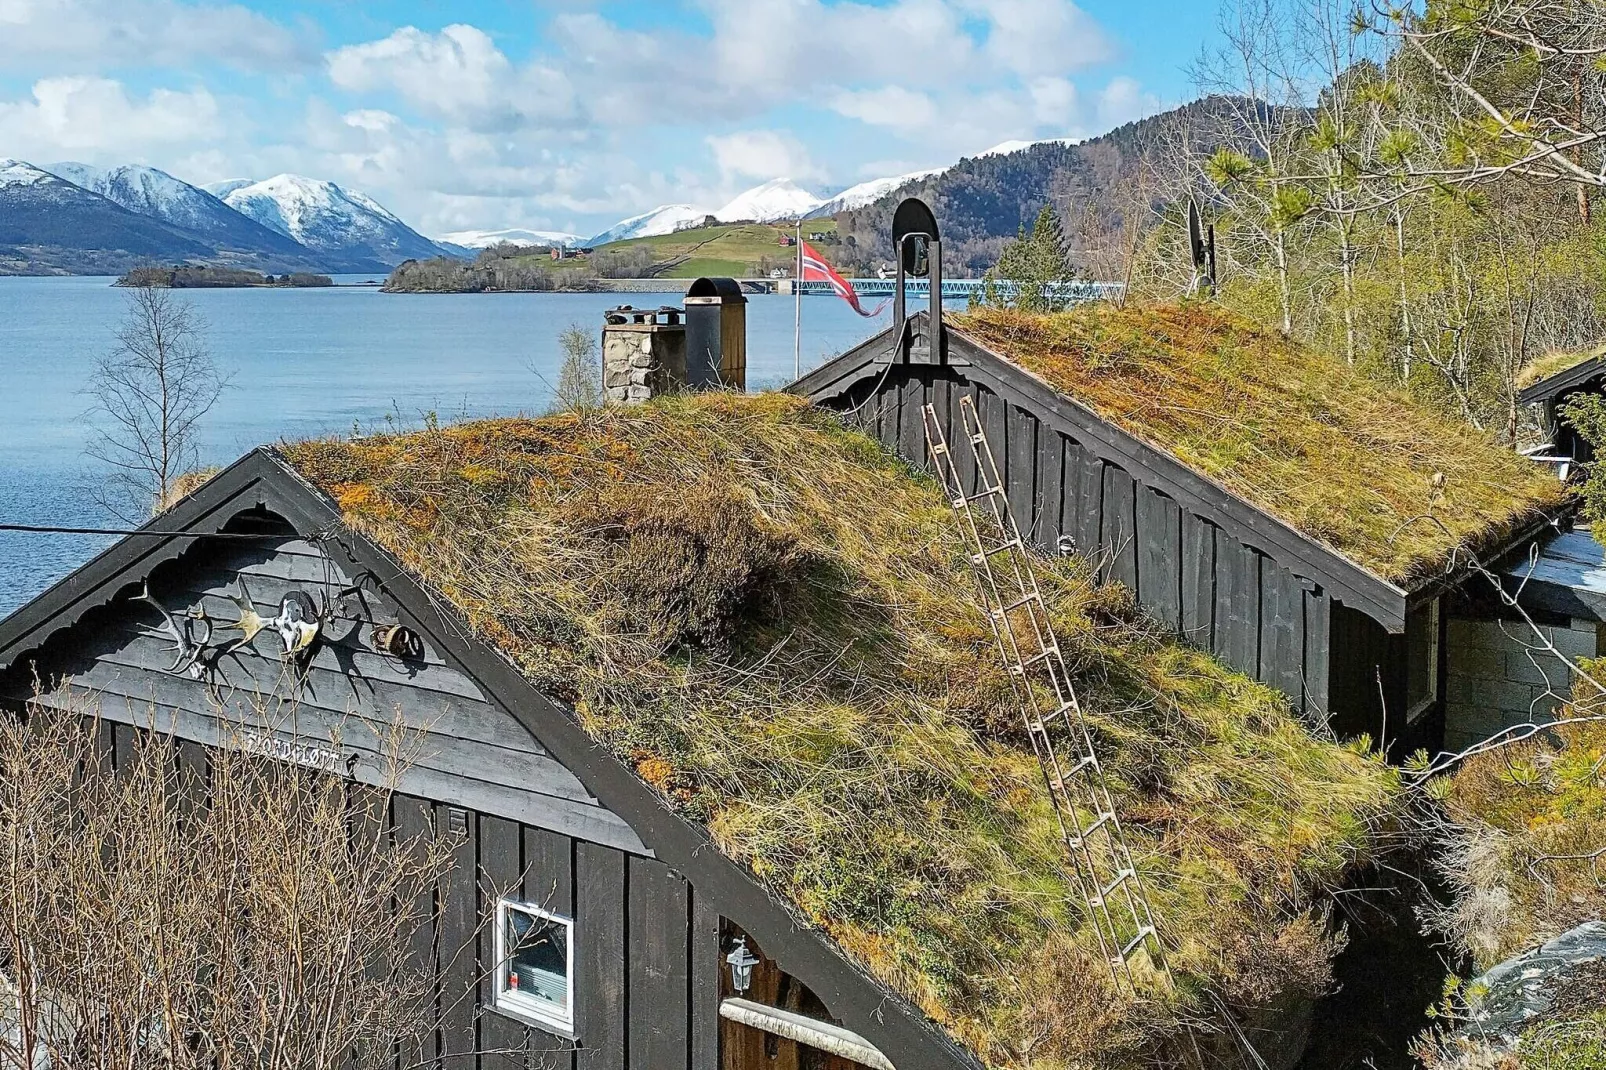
x: 643, y: 353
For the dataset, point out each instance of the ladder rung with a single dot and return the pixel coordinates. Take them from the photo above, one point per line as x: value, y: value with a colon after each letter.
x: 1076, y: 842
x: 939, y: 448
x: 1136, y: 942
x: 986, y: 492
x: 1041, y: 725
x: 1007, y: 544
x: 1104, y: 893
x: 1029, y: 597
x: 1042, y: 655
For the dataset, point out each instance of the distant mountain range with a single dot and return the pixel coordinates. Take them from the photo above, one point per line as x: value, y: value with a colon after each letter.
x: 486, y: 239
x: 71, y: 218
x: 335, y: 223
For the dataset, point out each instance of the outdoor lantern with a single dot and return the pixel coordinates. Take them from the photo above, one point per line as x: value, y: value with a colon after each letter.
x: 742, y: 962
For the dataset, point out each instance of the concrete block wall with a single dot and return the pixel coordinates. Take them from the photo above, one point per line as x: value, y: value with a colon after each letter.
x: 1494, y: 678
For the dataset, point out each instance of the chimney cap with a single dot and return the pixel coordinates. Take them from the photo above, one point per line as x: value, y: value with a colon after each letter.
x: 715, y: 291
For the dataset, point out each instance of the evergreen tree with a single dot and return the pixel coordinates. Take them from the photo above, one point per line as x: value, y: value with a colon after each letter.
x: 1035, y: 266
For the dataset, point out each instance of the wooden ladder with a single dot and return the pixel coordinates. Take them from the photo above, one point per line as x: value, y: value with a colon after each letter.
x: 1111, y: 888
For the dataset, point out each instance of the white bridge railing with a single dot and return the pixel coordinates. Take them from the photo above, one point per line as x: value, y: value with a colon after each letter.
x: 1074, y: 292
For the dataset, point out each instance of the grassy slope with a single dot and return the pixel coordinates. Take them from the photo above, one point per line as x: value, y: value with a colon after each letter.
x: 772, y: 620
x: 1310, y: 440
x: 728, y: 249
x: 1515, y: 812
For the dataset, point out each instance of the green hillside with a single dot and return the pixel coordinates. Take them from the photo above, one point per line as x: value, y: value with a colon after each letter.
x: 742, y: 250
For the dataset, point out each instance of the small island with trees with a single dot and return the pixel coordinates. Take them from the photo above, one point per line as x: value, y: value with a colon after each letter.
x: 202, y: 276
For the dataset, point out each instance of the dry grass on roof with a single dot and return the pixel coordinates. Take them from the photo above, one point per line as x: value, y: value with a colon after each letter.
x: 1551, y: 363
x: 1298, y: 434
x: 772, y: 621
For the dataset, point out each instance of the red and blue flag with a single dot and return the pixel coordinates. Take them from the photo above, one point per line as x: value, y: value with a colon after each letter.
x: 816, y: 269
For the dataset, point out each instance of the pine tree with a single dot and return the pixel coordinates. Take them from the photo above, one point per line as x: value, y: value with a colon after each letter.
x: 1033, y: 269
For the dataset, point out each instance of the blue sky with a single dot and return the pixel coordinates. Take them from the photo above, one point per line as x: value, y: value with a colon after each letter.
x: 568, y: 114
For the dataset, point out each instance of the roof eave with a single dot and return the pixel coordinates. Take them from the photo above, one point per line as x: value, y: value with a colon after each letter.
x: 1568, y: 378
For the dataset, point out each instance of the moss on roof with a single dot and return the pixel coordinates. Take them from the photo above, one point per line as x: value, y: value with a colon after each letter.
x: 772, y: 621
x: 1552, y: 363
x: 1300, y: 435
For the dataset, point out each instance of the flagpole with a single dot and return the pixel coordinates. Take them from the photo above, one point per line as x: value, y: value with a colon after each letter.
x: 797, y: 309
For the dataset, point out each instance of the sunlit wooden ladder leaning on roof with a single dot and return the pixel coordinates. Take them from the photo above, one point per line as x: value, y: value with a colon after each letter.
x: 1019, y: 618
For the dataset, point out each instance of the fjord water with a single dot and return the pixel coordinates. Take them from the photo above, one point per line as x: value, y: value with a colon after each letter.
x: 304, y: 362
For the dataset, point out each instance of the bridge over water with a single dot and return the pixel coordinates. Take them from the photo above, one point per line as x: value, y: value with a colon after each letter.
x: 965, y: 289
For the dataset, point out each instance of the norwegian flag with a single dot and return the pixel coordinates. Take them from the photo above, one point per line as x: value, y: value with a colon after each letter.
x: 815, y: 269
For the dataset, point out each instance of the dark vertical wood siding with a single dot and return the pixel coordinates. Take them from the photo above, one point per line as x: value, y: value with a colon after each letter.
x: 658, y: 982
x: 648, y: 958
x: 1219, y: 593
x: 600, y: 1010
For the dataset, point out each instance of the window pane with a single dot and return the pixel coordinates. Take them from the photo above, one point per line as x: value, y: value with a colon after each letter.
x: 1421, y: 656
x: 538, y: 958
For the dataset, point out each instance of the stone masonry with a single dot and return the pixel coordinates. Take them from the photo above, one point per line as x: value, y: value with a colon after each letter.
x: 1498, y: 675
x: 643, y: 354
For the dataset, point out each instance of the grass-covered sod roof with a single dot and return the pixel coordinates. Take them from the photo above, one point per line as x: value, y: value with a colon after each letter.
x: 1554, y: 363
x: 1296, y: 433
x: 772, y: 621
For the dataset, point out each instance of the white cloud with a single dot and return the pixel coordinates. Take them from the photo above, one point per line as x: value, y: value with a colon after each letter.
x: 1055, y: 101
x: 1040, y: 37
x: 94, y: 34
x: 762, y: 155
x: 889, y: 105
x: 460, y: 65
x: 97, y: 119
x: 458, y: 73
x: 1124, y: 100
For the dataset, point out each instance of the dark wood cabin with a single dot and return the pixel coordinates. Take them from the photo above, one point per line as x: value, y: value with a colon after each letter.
x: 1550, y: 393
x: 545, y: 826
x: 1351, y: 650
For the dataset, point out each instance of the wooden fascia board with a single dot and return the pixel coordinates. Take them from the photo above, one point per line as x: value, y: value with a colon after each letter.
x: 866, y: 1006
x: 1547, y: 388
x: 132, y: 557
x: 837, y: 375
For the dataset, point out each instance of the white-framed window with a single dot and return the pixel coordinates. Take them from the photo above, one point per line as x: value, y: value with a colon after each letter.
x: 1421, y: 659
x: 536, y: 951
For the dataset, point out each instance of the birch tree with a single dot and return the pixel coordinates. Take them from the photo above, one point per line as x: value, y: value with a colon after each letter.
x: 150, y: 393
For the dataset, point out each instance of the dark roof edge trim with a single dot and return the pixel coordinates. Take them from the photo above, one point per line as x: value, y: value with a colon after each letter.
x: 1569, y: 377
x: 865, y: 1005
x: 1350, y: 583
x: 92, y: 584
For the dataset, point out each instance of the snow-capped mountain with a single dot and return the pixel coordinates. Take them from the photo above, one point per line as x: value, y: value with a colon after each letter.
x: 779, y: 198
x: 1009, y: 148
x: 665, y: 219
x: 149, y: 192
x: 485, y: 239
x: 15, y: 173
x: 222, y: 189
x: 331, y: 220
x: 50, y: 225
x: 867, y: 192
